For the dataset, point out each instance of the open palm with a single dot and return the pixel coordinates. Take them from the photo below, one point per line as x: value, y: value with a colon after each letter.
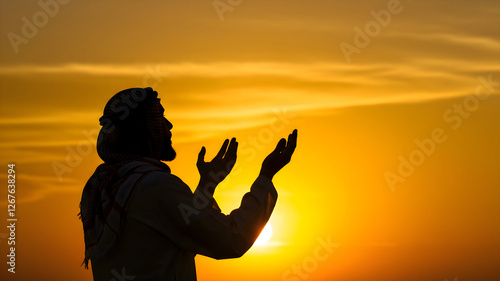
x: 216, y: 170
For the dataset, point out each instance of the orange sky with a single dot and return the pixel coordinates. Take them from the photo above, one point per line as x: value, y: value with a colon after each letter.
x: 398, y: 157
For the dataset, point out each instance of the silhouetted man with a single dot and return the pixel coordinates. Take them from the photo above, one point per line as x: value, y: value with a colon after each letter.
x: 143, y: 223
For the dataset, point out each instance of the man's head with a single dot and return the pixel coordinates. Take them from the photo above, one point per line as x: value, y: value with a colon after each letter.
x: 134, y: 126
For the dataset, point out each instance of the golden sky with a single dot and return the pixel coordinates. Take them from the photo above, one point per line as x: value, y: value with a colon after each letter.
x: 396, y: 102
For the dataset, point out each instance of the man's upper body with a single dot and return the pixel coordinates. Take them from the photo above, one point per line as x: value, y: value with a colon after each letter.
x: 143, y: 223
x: 164, y: 227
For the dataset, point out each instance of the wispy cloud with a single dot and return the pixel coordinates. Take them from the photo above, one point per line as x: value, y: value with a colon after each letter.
x: 216, y: 97
x: 457, y: 40
x: 40, y: 187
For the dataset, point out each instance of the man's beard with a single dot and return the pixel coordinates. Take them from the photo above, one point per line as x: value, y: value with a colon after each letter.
x: 168, y: 153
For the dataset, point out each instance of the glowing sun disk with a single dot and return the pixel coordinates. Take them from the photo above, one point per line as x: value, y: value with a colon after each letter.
x: 265, y: 235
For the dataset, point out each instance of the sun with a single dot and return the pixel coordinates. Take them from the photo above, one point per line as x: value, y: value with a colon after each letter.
x: 264, y: 236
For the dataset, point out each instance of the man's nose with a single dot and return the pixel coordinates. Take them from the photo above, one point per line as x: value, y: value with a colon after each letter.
x: 169, y: 125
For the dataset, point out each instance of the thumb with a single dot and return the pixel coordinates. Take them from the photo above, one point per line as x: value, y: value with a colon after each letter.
x: 201, y: 155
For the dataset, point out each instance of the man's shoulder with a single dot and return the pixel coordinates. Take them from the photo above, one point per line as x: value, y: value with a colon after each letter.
x: 161, y: 181
x: 158, y: 176
x: 144, y: 165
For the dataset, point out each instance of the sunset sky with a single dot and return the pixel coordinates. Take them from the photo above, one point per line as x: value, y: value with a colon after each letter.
x: 397, y: 104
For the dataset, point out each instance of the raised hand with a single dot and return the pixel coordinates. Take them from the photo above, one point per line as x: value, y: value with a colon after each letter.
x: 215, y: 171
x: 281, y: 156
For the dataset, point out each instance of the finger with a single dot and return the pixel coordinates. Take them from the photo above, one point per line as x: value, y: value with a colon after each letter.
x: 201, y: 155
x: 222, y: 150
x: 231, y: 150
x: 230, y: 158
x: 292, y: 143
x: 280, y: 146
x: 292, y: 140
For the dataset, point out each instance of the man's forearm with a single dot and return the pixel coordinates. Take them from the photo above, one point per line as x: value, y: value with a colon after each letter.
x: 207, y: 187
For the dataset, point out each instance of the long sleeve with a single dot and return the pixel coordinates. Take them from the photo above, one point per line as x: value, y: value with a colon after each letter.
x: 195, y: 224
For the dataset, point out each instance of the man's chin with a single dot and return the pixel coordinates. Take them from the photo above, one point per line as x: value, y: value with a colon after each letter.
x: 168, y: 154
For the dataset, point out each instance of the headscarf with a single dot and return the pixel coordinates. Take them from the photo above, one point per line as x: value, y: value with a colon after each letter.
x: 130, y: 143
x: 132, y: 126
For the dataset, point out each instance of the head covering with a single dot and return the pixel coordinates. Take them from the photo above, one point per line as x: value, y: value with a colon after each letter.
x: 132, y: 126
x: 130, y: 143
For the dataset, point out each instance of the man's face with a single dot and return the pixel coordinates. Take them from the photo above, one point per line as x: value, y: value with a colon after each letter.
x: 168, y: 153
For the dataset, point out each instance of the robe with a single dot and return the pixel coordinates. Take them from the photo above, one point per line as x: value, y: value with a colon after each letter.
x: 164, y: 225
